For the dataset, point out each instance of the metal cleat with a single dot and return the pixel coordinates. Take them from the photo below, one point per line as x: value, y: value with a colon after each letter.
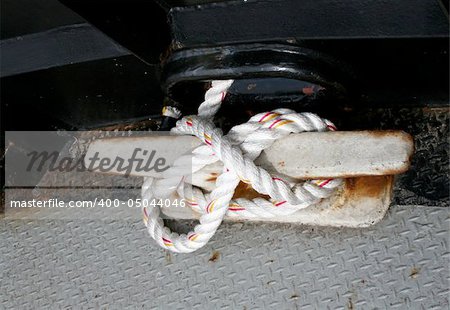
x: 367, y: 160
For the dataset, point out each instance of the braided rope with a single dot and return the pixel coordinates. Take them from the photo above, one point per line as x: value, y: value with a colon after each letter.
x: 237, y: 150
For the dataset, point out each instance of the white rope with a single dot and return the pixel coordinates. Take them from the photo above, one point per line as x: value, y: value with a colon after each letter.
x: 237, y: 150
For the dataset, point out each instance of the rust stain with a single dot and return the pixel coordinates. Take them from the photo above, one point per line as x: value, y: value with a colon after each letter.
x: 431, y: 110
x: 244, y: 190
x: 139, y: 125
x: 312, y: 89
x: 357, y: 188
x: 414, y: 272
x: 214, y: 257
x: 384, y: 172
x: 380, y: 133
x: 350, y: 304
x: 150, y: 138
x: 404, y: 137
x: 401, y: 137
x: 373, y: 186
x: 213, y: 177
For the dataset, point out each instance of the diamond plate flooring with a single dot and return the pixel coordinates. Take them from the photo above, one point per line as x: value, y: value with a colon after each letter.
x: 90, y: 264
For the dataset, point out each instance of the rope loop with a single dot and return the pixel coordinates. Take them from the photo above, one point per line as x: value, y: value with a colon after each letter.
x: 236, y: 151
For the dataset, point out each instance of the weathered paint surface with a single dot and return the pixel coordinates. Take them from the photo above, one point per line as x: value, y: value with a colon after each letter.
x: 340, y: 154
x: 361, y: 202
x: 302, y: 156
x: 366, y: 159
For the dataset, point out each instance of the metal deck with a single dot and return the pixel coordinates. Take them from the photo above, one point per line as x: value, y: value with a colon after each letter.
x: 400, y: 263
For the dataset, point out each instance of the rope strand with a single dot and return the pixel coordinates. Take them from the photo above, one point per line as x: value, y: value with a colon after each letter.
x: 237, y: 150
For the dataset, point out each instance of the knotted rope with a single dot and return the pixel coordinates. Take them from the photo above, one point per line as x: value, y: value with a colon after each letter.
x: 237, y: 151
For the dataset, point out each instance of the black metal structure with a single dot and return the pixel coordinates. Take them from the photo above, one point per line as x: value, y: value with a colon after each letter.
x: 265, y: 74
x: 365, y: 64
x: 291, y: 20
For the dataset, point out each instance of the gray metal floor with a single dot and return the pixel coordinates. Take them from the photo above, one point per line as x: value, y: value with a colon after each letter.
x: 400, y: 263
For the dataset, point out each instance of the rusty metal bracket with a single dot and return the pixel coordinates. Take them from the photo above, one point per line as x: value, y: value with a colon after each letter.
x: 368, y: 160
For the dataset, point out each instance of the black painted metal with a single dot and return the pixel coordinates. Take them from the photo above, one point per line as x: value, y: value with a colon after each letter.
x: 139, y: 25
x: 283, y: 65
x: 289, y: 20
x: 56, y: 47
x: 400, y: 84
x: 82, y: 96
x: 23, y: 17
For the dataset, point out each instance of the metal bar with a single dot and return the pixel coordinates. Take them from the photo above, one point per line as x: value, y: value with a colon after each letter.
x: 233, y: 22
x: 304, y: 156
x: 256, y: 60
x: 362, y: 202
x: 56, y: 47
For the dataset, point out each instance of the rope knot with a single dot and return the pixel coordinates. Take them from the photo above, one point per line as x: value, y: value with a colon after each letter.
x: 236, y: 151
